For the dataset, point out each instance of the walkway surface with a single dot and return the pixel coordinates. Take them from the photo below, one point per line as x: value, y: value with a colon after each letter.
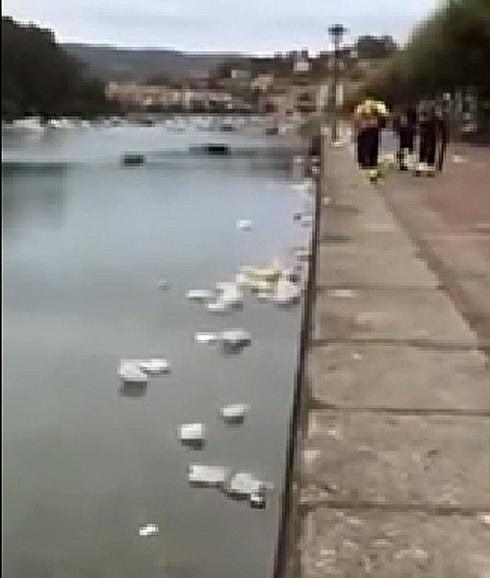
x: 394, y: 467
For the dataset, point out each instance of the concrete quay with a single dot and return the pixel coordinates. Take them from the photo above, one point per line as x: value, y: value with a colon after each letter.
x: 391, y: 469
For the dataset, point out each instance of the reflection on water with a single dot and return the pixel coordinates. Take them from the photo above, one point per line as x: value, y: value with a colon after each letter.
x: 33, y: 196
x: 85, y: 245
x: 133, y: 390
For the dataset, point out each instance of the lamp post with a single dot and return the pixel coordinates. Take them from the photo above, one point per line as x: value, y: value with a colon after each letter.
x: 336, y: 33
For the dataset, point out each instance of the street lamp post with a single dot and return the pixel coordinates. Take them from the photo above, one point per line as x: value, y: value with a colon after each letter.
x: 336, y: 33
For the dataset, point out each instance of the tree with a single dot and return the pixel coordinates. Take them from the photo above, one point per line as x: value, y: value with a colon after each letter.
x: 39, y: 77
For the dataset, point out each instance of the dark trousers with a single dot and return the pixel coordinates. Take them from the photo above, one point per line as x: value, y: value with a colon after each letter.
x: 368, y: 148
x: 427, y: 152
x: 406, y: 141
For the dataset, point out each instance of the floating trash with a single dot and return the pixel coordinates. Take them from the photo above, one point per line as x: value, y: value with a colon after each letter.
x: 235, y: 338
x: 148, y: 530
x: 199, y: 294
x: 286, y: 293
x: 208, y: 476
x: 130, y: 372
x: 244, y: 225
x: 218, y: 307
x: 206, y: 338
x: 163, y: 284
x: 234, y: 413
x: 306, y: 221
x: 192, y: 434
x: 243, y: 485
x: 154, y: 366
x: 230, y: 294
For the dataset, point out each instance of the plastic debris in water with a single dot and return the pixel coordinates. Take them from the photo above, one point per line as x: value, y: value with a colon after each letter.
x: 203, y: 475
x: 130, y: 372
x: 218, y: 307
x: 206, y: 338
x: 192, y: 433
x: 244, y: 225
x: 154, y: 366
x: 234, y: 413
x: 200, y: 294
x: 235, y: 338
x: 230, y: 294
x: 163, y: 284
x: 286, y: 293
x: 148, y: 530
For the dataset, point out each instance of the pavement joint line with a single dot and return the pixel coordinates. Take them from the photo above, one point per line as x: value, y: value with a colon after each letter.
x: 377, y: 287
x: 408, y: 342
x: 316, y: 404
x: 306, y: 506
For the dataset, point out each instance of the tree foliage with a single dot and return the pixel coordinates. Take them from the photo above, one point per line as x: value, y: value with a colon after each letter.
x: 449, y: 50
x: 38, y: 77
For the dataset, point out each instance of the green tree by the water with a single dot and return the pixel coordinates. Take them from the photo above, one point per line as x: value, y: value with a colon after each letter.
x: 38, y: 77
x: 449, y: 50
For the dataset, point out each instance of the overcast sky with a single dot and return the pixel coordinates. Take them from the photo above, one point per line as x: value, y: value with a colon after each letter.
x: 257, y: 26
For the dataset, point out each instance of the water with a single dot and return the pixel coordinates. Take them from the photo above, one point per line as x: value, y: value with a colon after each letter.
x: 85, y: 242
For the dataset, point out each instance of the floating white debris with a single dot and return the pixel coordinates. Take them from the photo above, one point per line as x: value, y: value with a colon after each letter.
x: 244, y: 225
x: 148, y: 530
x: 235, y: 412
x: 218, y: 307
x: 192, y: 433
x: 230, y: 294
x: 286, y: 293
x: 243, y: 485
x: 154, y: 366
x: 235, y: 338
x: 242, y: 280
x: 199, y: 294
x: 163, y: 284
x: 130, y: 372
x: 206, y: 338
x: 306, y: 221
x: 302, y: 254
x: 207, y: 475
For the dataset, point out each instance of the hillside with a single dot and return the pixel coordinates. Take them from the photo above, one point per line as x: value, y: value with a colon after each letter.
x: 110, y: 63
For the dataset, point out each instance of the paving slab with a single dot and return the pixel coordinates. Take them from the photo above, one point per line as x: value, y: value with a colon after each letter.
x: 363, y: 265
x: 358, y: 376
x: 390, y: 314
x: 374, y: 544
x: 397, y: 459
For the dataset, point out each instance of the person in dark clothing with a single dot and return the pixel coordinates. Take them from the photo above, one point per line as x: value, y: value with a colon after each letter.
x: 369, y: 119
x: 428, y: 133
x: 405, y: 126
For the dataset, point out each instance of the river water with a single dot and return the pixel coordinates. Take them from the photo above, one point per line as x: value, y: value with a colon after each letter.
x: 85, y: 242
